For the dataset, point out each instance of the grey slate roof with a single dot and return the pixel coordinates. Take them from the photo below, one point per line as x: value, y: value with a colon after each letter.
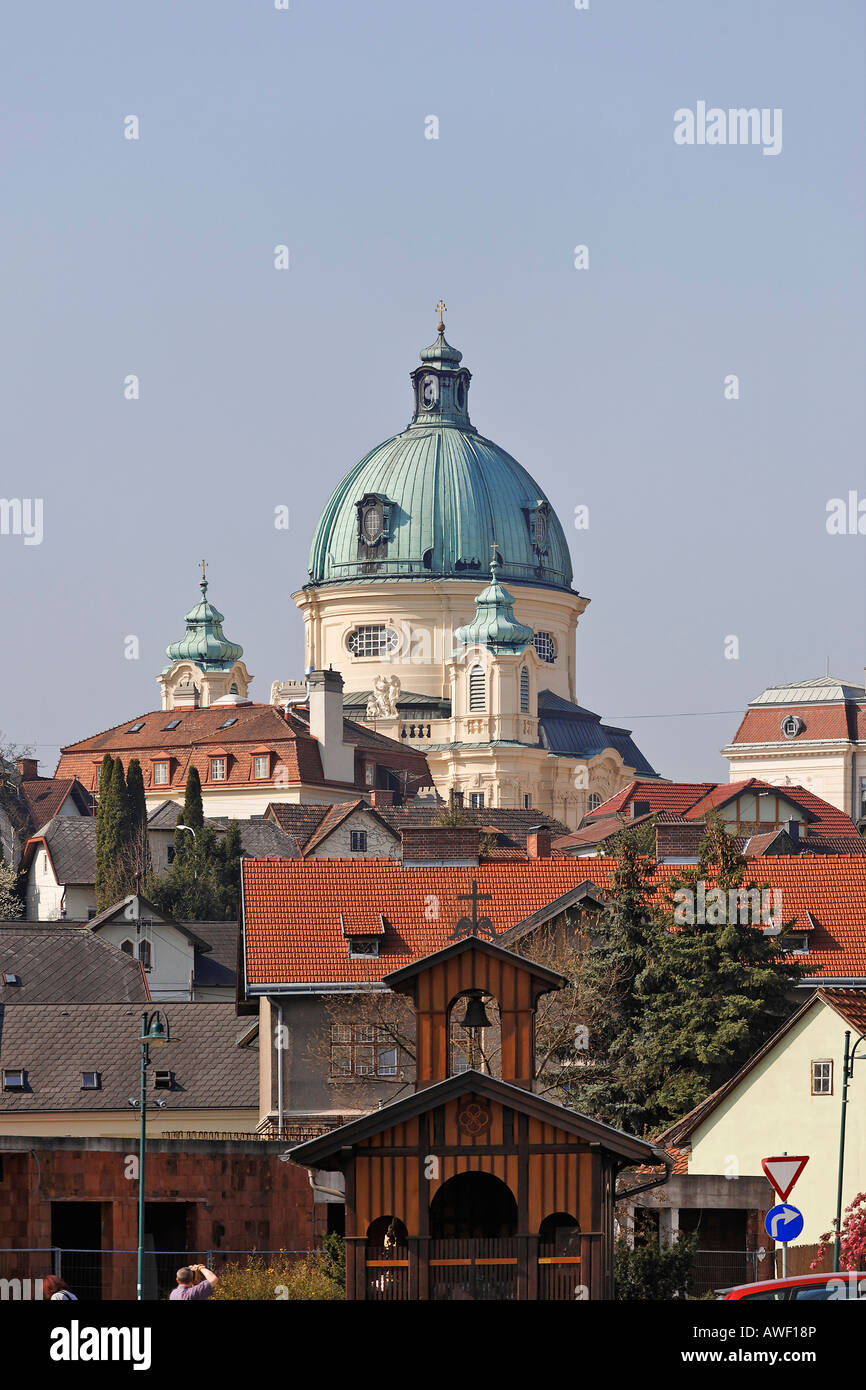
x: 569, y: 729
x: 56, y: 1042
x: 72, y: 846
x: 220, y: 965
x: 60, y: 964
x: 261, y: 839
x: 301, y: 822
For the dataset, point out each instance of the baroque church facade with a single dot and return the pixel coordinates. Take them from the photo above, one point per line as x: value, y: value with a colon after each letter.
x: 441, y: 588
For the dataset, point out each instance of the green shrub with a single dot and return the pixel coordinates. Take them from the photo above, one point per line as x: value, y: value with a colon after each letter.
x: 650, y: 1272
x: 286, y: 1277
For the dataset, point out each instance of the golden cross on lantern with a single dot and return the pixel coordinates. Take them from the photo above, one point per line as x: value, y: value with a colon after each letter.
x: 440, y: 309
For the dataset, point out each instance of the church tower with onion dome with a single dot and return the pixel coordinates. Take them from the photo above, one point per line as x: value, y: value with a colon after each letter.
x: 205, y: 668
x: 393, y: 603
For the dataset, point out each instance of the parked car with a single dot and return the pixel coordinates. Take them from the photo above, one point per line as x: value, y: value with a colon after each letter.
x: 845, y: 1284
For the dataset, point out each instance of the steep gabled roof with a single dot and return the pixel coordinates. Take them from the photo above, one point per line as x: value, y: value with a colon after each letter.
x: 146, y: 910
x: 329, y: 1150
x: 44, y: 796
x: 61, y: 964
x: 70, y: 842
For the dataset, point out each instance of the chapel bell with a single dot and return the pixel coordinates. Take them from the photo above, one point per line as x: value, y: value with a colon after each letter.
x: 475, y: 1017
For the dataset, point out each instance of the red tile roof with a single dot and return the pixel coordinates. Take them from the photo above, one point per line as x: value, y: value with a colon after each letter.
x: 693, y: 800
x: 837, y: 721
x: 662, y: 796
x: 44, y: 797
x: 292, y: 908
x: 199, y: 736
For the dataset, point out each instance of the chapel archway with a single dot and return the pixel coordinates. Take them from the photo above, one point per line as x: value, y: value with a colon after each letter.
x: 473, y: 1205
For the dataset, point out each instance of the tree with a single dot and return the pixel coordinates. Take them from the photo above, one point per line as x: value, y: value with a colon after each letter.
x: 617, y: 954
x: 14, y: 813
x: 712, y: 991
x: 11, y: 906
x: 112, y: 834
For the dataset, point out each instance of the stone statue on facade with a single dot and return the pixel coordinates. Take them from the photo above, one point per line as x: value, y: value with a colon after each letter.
x: 382, y: 703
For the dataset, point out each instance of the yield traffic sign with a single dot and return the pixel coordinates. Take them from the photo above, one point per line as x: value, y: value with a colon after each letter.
x: 784, y: 1223
x: 784, y: 1171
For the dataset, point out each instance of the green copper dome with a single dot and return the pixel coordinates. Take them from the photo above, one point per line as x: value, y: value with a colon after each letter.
x: 434, y: 501
x: 494, y: 625
x: 204, y: 642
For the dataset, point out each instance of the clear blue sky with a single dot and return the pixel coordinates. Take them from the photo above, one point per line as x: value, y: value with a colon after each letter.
x: 261, y: 388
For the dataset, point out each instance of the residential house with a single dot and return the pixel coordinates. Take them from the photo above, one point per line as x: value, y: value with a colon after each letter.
x: 811, y: 732
x: 248, y: 755
x: 762, y: 819
x: 71, y: 1068
x: 787, y: 1099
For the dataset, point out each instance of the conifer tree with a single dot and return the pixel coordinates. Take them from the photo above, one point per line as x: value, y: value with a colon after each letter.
x: 623, y: 938
x: 193, y: 818
x: 113, y: 837
x: 714, y: 990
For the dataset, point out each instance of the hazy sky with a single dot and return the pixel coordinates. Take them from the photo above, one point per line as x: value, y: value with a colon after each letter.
x: 260, y: 387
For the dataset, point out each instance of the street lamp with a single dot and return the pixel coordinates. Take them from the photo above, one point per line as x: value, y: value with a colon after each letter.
x: 154, y: 1033
x: 847, y: 1073
x: 192, y: 833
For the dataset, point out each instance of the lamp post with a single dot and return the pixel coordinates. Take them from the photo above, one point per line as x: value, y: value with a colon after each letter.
x: 154, y: 1033
x: 847, y: 1073
x: 192, y: 833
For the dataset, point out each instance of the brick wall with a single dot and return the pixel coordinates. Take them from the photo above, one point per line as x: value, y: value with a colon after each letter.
x: 440, y: 843
x: 241, y: 1196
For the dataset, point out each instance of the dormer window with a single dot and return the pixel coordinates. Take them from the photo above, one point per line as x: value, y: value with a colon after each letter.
x: 161, y: 776
x: 261, y: 765
x: 14, y: 1079
x: 792, y: 725
x: 91, y: 1081
x: 163, y: 1081
x: 218, y: 769
x: 374, y: 518
x: 363, y: 947
x: 10, y: 979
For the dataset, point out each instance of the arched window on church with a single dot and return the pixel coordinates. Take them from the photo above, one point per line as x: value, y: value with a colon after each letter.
x: 477, y: 689
x: 524, y: 690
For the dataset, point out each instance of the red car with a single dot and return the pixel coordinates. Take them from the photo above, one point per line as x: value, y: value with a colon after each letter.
x: 845, y: 1284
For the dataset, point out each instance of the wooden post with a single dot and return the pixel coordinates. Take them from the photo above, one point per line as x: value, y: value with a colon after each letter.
x: 413, y: 1269
x: 423, y: 1268
x: 532, y: 1268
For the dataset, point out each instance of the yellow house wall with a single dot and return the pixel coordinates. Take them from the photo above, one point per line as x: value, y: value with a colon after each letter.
x: 773, y: 1112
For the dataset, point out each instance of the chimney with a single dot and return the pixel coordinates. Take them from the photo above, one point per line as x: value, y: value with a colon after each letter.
x: 435, y: 845
x: 639, y: 808
x: 793, y: 829
x: 325, y: 691
x: 381, y: 796
x: 538, y: 842
x: 28, y: 767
